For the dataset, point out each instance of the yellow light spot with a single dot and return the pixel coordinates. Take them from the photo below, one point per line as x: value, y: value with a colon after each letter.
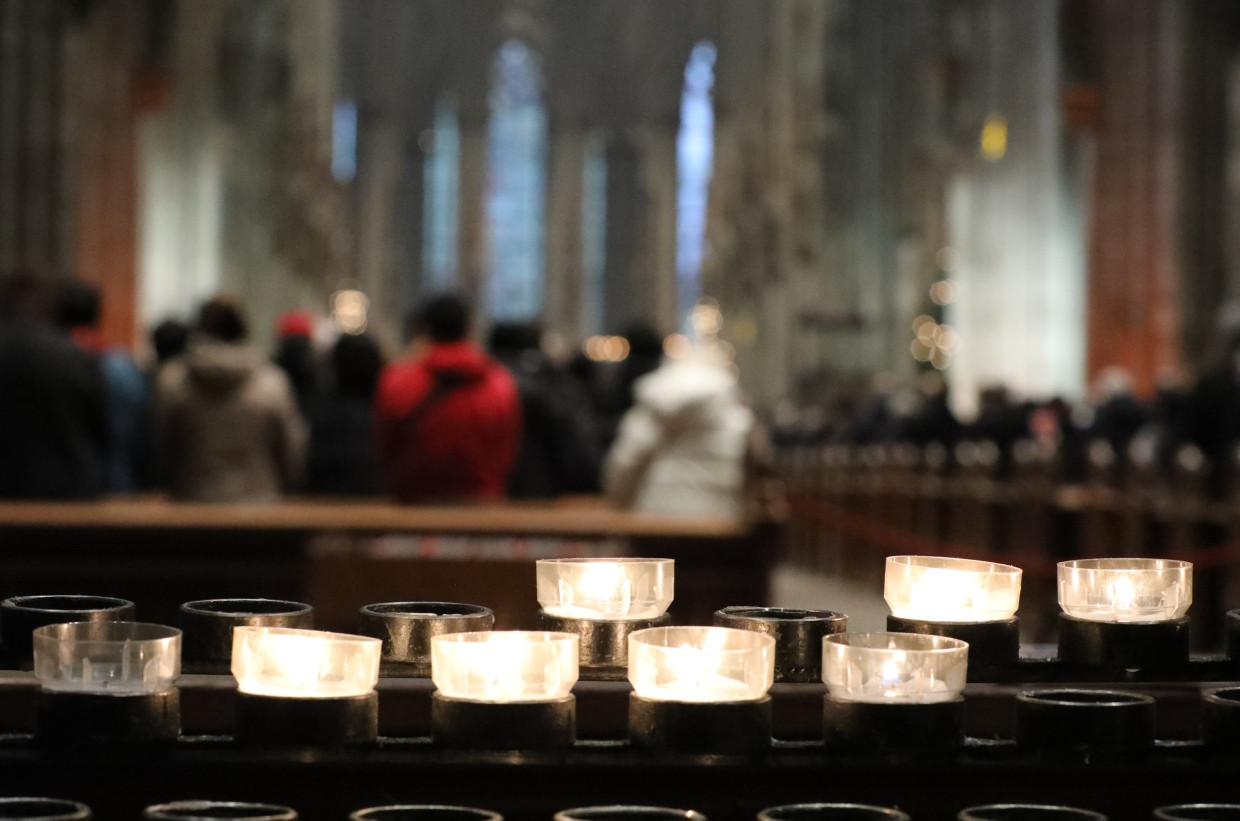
x: 994, y: 138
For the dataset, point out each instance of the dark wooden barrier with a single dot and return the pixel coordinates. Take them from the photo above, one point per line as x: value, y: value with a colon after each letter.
x: 339, y: 555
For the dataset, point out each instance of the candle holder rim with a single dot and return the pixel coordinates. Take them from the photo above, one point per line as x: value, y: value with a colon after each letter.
x: 104, y: 631
x: 781, y: 614
x: 1077, y: 812
x: 604, y: 560
x: 945, y: 644
x: 890, y: 813
x: 1113, y: 565
x: 74, y: 810
x: 273, y: 812
x: 1227, y: 695
x: 952, y: 563
x: 1160, y: 813
x: 1072, y: 697
x: 289, y: 607
x: 753, y: 639
x: 483, y: 636
x: 393, y: 609
x: 22, y: 603
x: 306, y: 633
x: 621, y: 810
x: 478, y: 813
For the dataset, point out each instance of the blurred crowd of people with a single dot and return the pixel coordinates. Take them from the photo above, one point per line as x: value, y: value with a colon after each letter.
x: 212, y: 418
x: 1193, y: 421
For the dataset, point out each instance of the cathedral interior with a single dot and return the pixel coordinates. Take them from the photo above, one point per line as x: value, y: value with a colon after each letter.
x: 1049, y: 181
x: 850, y: 200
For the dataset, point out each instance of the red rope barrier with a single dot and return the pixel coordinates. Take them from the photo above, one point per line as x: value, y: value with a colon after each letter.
x: 896, y: 541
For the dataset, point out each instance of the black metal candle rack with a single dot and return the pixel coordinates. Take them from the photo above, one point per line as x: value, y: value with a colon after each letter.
x: 1040, y: 731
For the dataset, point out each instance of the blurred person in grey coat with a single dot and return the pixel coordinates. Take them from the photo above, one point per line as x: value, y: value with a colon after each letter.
x: 229, y: 427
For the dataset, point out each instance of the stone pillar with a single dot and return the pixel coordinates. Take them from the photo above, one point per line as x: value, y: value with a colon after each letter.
x: 565, y: 189
x: 35, y: 219
x: 1135, y: 271
x: 105, y: 180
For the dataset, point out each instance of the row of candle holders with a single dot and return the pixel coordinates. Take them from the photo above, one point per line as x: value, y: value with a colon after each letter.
x: 105, y: 678
x: 53, y: 809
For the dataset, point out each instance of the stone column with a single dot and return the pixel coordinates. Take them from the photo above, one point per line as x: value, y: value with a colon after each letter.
x: 1134, y: 272
x: 565, y: 188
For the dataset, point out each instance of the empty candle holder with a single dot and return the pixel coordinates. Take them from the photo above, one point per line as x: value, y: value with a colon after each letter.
x: 1198, y: 812
x: 406, y: 630
x: 1125, y: 613
x: 893, y: 691
x: 974, y: 601
x: 424, y: 812
x: 701, y: 689
x: 305, y: 687
x: 624, y: 812
x: 506, y: 690
x: 1220, y: 719
x: 1095, y: 721
x: 21, y: 615
x: 43, y: 809
x: 798, y: 636
x: 218, y: 811
x: 602, y: 602
x: 831, y: 812
x: 1028, y: 812
x: 107, y: 683
x: 208, y: 625
x: 1233, y: 636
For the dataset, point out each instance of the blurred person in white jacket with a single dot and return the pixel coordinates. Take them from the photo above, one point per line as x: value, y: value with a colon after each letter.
x: 681, y: 448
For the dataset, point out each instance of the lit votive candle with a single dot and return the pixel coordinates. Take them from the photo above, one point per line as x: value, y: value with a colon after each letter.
x: 286, y: 662
x: 1125, y: 590
x: 701, y: 664
x: 938, y: 589
x: 116, y: 658
x: 505, y: 666
x: 605, y: 589
x: 890, y: 668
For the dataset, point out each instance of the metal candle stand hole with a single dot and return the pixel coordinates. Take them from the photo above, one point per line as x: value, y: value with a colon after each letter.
x: 831, y: 812
x: 406, y: 628
x: 21, y: 615
x: 218, y: 811
x: 628, y: 813
x: 1198, y: 812
x: 1028, y: 812
x: 798, y: 636
x: 208, y: 625
x: 424, y: 812
x: 1096, y: 719
x: 43, y: 809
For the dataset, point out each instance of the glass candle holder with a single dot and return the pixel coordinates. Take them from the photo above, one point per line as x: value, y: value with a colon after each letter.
x: 937, y: 589
x: 605, y: 589
x: 505, y: 666
x: 286, y: 662
x: 891, y: 668
x: 701, y: 664
x: 110, y: 658
x: 1198, y: 812
x: 1125, y: 590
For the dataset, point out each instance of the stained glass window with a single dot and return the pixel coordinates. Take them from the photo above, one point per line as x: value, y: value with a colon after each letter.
x: 516, y: 194
x: 694, y: 154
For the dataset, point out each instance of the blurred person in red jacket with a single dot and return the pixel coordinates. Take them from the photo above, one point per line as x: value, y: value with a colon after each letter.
x: 447, y: 417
